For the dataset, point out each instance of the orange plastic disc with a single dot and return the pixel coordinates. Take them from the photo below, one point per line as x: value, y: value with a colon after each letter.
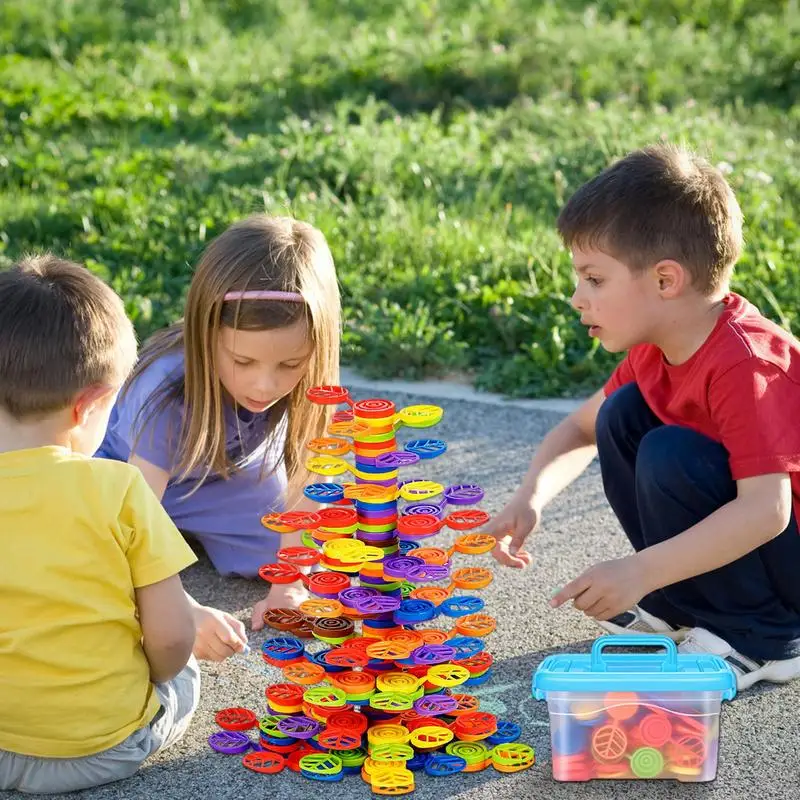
x: 304, y: 673
x: 434, y: 594
x: 472, y: 577
x: 476, y: 625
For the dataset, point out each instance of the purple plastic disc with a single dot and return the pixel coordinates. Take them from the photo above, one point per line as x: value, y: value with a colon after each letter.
x: 433, y: 704
x: 350, y: 596
x: 299, y: 727
x: 423, y: 507
x: 378, y: 605
x: 396, y: 459
x: 428, y: 572
x: 400, y: 566
x: 463, y: 494
x: 229, y: 742
x: 433, y: 654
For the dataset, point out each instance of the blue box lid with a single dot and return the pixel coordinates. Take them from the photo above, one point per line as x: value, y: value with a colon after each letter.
x: 668, y: 671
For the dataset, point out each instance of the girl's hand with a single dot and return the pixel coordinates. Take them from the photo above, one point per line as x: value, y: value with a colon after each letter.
x: 286, y: 595
x: 219, y: 635
x: 511, y: 527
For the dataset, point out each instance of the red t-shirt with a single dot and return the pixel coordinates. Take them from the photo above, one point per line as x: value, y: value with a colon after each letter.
x: 741, y: 389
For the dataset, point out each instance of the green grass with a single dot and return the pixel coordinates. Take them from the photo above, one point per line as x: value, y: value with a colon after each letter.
x: 432, y: 142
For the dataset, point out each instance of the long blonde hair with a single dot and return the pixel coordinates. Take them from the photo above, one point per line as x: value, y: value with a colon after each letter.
x: 259, y: 253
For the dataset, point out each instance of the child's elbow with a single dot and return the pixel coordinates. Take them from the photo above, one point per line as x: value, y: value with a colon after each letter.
x: 779, y: 515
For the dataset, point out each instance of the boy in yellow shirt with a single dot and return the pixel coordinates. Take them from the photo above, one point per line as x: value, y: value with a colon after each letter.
x: 96, y: 633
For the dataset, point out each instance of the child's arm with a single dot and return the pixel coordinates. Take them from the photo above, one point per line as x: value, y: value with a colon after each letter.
x: 168, y: 627
x: 761, y: 510
x: 563, y: 455
x: 219, y: 634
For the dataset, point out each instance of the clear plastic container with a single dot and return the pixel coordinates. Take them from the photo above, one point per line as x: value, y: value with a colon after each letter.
x: 634, y: 715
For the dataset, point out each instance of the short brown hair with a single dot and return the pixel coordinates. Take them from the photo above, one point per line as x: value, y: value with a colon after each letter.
x: 61, y: 330
x: 661, y: 202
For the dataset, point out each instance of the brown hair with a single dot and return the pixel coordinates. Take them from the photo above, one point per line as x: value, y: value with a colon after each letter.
x: 661, y: 202
x: 260, y: 253
x: 61, y: 330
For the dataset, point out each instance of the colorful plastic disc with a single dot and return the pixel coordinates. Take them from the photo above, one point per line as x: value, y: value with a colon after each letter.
x: 327, y: 465
x: 474, y: 543
x: 420, y: 489
x: 299, y: 556
x: 465, y: 520
x: 328, y: 583
x: 324, y: 492
x: 328, y: 395
x: 418, y: 525
x: 321, y: 608
x: 426, y: 448
x: 647, y: 762
x: 329, y: 446
x: 236, y: 719
x: 229, y: 742
x: 396, y: 459
x: 265, y: 762
x: 443, y: 764
x: 420, y: 416
x: 338, y: 739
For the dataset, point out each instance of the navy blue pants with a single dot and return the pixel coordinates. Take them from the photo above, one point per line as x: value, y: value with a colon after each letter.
x: 662, y: 479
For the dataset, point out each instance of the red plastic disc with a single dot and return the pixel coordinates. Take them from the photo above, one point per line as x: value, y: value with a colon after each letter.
x: 299, y: 556
x: 264, y: 762
x: 350, y: 721
x: 328, y: 582
x: 285, y: 694
x: 236, y: 719
x: 466, y: 520
x: 337, y: 517
x: 373, y: 409
x: 418, y: 524
x: 328, y: 395
x: 279, y: 573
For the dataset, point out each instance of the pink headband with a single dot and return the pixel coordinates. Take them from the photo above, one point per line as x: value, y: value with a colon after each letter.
x: 288, y: 297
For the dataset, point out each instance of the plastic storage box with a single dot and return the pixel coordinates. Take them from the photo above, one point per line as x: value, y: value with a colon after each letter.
x: 634, y: 715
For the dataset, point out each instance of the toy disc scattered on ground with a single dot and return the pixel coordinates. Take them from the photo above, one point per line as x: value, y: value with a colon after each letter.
x: 236, y: 719
x: 474, y: 543
x: 264, y: 762
x: 465, y: 520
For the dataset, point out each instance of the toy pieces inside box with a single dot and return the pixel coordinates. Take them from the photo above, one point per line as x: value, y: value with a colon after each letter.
x: 634, y: 715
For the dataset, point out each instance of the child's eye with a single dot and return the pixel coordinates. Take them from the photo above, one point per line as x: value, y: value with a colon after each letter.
x: 242, y: 362
x: 593, y: 281
x: 292, y: 366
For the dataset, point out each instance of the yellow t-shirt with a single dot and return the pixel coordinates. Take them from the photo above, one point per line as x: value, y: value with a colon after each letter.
x: 77, y: 535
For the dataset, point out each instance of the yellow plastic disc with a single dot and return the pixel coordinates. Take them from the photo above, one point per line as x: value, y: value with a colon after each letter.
x: 430, y: 736
x: 388, y: 734
x: 420, y: 416
x: 401, y: 682
x: 346, y: 428
x: 327, y: 465
x: 448, y: 675
x: 420, y: 490
x: 347, y: 550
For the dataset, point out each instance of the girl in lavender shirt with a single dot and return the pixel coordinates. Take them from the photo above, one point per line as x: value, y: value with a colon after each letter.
x: 215, y: 414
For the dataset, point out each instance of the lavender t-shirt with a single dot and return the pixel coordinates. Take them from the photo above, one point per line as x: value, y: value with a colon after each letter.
x: 223, y: 514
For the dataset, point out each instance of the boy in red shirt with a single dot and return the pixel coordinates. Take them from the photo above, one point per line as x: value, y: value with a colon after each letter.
x: 696, y: 430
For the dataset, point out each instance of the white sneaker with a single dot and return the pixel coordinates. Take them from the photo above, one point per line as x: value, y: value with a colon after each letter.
x: 637, y: 620
x: 747, y: 670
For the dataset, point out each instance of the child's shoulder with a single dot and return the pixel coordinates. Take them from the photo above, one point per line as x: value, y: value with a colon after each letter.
x: 745, y: 338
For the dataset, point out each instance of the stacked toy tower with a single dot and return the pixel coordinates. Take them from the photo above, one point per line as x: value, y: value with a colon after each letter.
x: 387, y: 695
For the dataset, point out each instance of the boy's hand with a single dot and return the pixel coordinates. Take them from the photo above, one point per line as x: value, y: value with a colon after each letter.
x: 219, y: 635
x: 606, y: 589
x: 511, y: 527
x: 280, y: 596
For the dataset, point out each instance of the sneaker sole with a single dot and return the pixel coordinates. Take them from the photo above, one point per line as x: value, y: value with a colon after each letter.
x: 772, y: 673
x: 618, y: 630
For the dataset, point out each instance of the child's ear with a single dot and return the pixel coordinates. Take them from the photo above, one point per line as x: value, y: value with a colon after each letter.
x: 87, y: 400
x: 671, y: 278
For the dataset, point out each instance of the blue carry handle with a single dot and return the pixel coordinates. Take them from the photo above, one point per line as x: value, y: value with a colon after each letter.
x: 670, y: 664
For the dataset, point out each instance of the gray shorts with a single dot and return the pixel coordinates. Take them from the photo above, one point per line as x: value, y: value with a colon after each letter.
x: 178, y: 698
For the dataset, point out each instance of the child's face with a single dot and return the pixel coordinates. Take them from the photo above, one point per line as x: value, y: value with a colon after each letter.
x: 619, y: 306
x: 258, y: 368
